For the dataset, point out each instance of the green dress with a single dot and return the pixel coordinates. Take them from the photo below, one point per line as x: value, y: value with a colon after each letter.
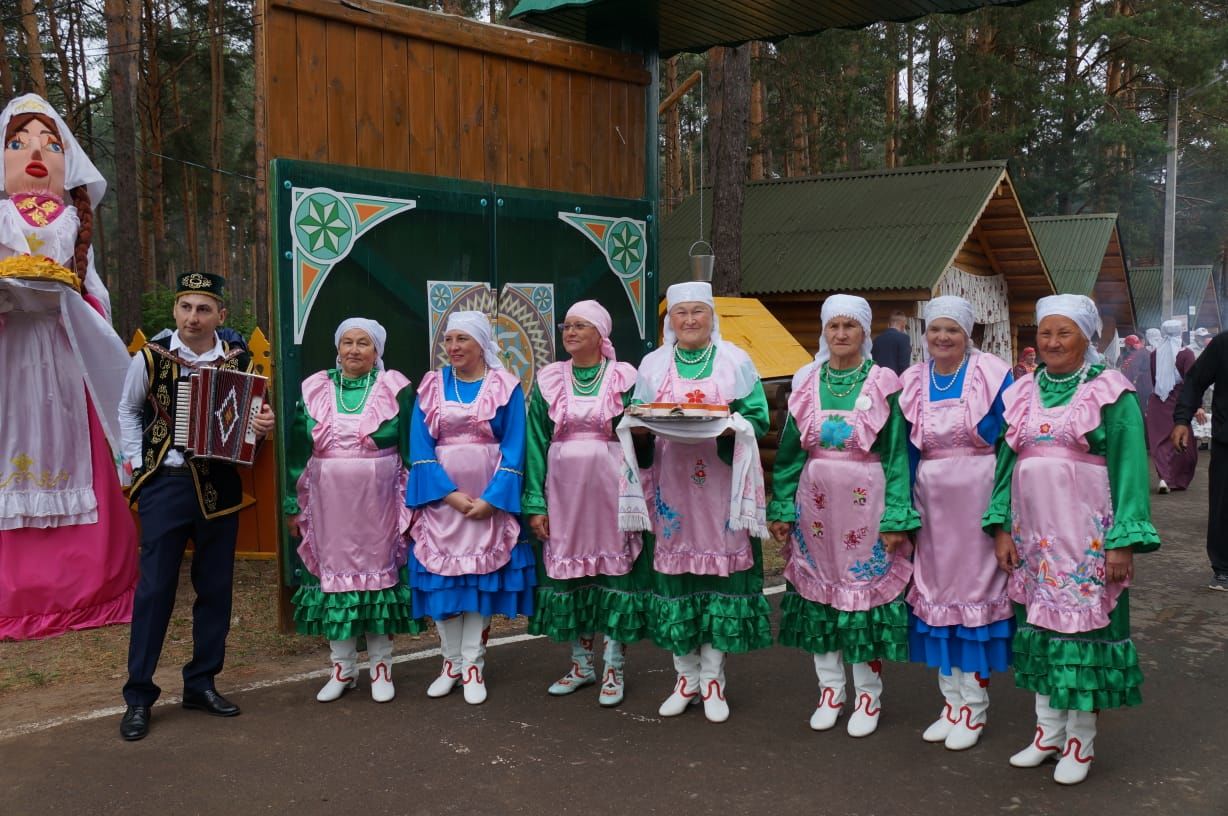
x: 616, y: 605
x: 861, y: 636
x: 344, y: 615
x: 729, y: 613
x: 1099, y: 669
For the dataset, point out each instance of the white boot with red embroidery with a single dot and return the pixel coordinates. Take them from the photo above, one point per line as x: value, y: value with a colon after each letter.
x: 474, y: 631
x: 344, y: 654
x: 449, y: 631
x: 830, y: 670
x: 868, y: 685
x: 379, y: 650
x: 1050, y: 736
x: 613, y: 684
x: 972, y: 715
x: 712, y: 683
x: 686, y: 687
x: 941, y: 727
x: 581, y: 673
x: 1080, y: 748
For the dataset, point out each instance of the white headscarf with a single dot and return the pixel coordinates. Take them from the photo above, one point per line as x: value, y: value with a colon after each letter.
x: 1079, y: 308
x: 1153, y: 337
x: 1166, y: 358
x: 78, y: 169
x: 838, y: 306
x: 954, y: 308
x: 477, y: 325
x: 373, y: 329
x: 690, y: 292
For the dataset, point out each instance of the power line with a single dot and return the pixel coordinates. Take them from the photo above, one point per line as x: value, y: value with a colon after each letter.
x: 188, y: 162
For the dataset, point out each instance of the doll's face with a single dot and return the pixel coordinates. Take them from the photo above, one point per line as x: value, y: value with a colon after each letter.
x: 34, y: 159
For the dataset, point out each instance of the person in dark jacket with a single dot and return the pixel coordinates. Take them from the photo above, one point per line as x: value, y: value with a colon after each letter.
x: 1210, y: 369
x: 892, y: 348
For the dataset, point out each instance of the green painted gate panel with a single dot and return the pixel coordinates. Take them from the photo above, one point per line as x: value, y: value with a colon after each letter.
x: 402, y: 248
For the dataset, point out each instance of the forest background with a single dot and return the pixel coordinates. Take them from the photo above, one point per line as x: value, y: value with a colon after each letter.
x: 1076, y: 94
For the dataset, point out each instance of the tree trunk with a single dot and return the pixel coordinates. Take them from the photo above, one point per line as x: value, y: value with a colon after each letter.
x: 1070, y: 81
x: 260, y: 256
x: 218, y: 255
x: 852, y: 118
x: 673, y: 141
x: 757, y: 168
x: 153, y: 193
x: 729, y: 168
x: 34, y: 47
x: 121, y: 72
x: 814, y: 141
x: 892, y: 111
x: 930, y: 124
x: 6, y: 69
x: 71, y: 103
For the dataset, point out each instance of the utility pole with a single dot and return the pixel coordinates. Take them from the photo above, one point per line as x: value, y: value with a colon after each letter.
x: 1170, y: 211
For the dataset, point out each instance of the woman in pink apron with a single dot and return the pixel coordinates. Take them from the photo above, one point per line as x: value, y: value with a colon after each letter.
x: 591, y: 575
x: 348, y: 455
x: 842, y: 507
x: 468, y: 561
x: 1070, y: 506
x: 962, y: 621
x: 708, y: 571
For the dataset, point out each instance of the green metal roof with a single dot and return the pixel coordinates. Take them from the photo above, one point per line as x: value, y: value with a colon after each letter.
x: 879, y: 229
x: 1189, y: 289
x: 1073, y: 247
x: 696, y: 25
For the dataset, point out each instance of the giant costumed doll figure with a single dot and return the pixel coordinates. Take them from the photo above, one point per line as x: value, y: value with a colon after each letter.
x: 67, y: 542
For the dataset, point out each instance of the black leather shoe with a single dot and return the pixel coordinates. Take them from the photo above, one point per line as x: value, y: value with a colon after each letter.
x: 135, y: 724
x: 210, y: 702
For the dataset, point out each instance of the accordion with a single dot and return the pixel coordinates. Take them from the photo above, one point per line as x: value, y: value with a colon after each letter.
x: 213, y: 414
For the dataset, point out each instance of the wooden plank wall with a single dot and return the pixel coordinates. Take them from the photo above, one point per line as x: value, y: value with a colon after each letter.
x: 394, y: 88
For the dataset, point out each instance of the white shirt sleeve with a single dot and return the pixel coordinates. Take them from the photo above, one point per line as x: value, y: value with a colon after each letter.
x: 131, y: 408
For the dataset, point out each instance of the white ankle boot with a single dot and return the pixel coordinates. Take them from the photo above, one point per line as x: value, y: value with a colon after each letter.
x: 474, y: 632
x: 973, y: 714
x: 686, y: 688
x: 612, y: 684
x: 941, y: 727
x: 379, y: 650
x: 581, y: 673
x: 1080, y: 748
x: 830, y: 670
x: 712, y: 683
x: 449, y: 631
x: 344, y: 655
x: 1050, y: 736
x: 868, y: 684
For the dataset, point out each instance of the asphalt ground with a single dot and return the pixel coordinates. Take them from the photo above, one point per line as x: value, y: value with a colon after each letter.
x: 526, y: 752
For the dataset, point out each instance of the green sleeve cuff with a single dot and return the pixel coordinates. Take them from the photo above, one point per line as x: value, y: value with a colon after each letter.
x: 532, y: 504
x: 781, y: 510
x: 899, y: 520
x: 1141, y: 534
x: 289, y: 506
x: 995, y: 518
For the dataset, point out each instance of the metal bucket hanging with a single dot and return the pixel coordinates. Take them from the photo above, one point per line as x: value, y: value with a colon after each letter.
x: 702, y: 264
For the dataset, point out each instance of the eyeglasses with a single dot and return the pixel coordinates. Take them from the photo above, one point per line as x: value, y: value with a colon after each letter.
x: 566, y: 327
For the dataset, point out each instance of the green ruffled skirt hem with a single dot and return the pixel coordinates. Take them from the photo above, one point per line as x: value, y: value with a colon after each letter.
x: 1087, y: 671
x: 615, y: 605
x: 729, y: 613
x: 880, y: 633
x: 344, y: 615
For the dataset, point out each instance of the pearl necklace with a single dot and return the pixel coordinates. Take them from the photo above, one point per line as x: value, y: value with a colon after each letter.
x: 1078, y: 374
x: 849, y: 379
x: 702, y: 360
x: 456, y: 383
x: 353, y: 409
x: 954, y: 376
x: 587, y: 389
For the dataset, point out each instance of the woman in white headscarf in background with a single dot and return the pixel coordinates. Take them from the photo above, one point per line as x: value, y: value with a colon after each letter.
x: 962, y: 621
x: 708, y: 505
x: 841, y: 504
x: 1170, y: 362
x: 468, y: 560
x: 348, y: 456
x: 1069, y: 509
x: 68, y: 547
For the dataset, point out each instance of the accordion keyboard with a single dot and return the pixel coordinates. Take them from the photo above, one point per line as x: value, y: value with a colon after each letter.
x: 183, y: 413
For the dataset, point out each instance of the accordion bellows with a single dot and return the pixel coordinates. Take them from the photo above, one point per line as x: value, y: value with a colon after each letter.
x: 38, y: 267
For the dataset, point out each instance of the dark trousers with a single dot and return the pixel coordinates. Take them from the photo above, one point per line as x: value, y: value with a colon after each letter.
x: 170, y: 515
x: 1217, y: 513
